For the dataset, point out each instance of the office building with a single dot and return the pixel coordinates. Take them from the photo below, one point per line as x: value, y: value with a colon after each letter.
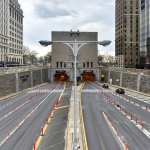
x: 144, y: 33
x: 127, y: 31
x: 11, y: 32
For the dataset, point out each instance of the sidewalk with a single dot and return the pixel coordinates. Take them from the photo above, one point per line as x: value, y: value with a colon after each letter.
x: 70, y: 125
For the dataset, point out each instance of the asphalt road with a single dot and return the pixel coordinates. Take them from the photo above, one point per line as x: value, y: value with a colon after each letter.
x: 54, y: 138
x: 99, y: 135
x: 35, y: 110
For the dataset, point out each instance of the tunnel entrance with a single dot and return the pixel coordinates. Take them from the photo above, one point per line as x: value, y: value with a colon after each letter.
x: 88, y: 75
x: 60, y: 75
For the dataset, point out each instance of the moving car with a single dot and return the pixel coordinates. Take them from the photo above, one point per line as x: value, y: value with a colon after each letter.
x: 120, y: 91
x: 105, y: 86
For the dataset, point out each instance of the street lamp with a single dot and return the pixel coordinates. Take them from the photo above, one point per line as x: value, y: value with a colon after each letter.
x: 75, y: 46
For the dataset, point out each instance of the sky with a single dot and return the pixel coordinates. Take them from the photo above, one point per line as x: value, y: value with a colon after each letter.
x: 43, y: 16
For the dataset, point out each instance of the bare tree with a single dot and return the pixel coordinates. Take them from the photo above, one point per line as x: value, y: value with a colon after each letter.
x: 26, y: 53
x: 33, y: 56
x: 41, y: 59
x: 48, y: 57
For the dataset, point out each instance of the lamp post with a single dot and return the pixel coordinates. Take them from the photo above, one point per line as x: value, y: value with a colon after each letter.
x: 75, y: 46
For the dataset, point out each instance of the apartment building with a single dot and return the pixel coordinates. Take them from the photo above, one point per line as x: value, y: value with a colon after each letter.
x: 127, y: 31
x: 11, y: 32
x: 144, y: 33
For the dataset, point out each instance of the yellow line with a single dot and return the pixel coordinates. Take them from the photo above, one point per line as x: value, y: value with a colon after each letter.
x: 83, y: 127
x: 62, y: 107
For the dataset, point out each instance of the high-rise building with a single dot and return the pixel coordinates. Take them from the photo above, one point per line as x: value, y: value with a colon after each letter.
x: 144, y: 33
x: 126, y: 32
x: 11, y: 32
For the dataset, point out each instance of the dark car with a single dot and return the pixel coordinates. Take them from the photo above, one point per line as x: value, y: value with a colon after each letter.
x: 120, y: 91
x: 105, y: 86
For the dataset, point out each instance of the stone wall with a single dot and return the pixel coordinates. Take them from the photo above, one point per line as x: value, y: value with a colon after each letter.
x: 36, y: 77
x: 145, y: 84
x: 44, y: 75
x: 18, y: 81
x: 7, y: 84
x: 129, y: 80
x: 115, y: 76
x: 132, y: 80
x: 24, y: 80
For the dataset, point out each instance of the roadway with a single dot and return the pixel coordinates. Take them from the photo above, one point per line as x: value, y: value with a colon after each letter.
x: 99, y: 134
x: 27, y: 114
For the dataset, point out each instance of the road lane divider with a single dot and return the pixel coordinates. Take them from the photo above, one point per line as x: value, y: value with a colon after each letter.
x: 129, y: 115
x: 44, y: 127
x: 116, y: 131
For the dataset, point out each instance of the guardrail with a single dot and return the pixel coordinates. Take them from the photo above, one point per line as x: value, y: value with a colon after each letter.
x: 21, y: 69
x: 130, y: 70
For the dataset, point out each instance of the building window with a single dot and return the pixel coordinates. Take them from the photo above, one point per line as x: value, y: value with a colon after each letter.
x: 57, y: 64
x: 60, y: 64
x: 72, y: 65
x: 91, y: 64
x: 87, y: 64
x: 83, y: 64
x: 64, y: 65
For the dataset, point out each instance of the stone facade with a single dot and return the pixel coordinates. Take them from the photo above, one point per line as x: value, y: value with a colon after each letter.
x: 44, y: 75
x: 36, y: 77
x: 135, y: 81
x: 24, y: 80
x: 7, y: 84
x: 15, y: 82
x: 145, y: 84
x: 129, y: 81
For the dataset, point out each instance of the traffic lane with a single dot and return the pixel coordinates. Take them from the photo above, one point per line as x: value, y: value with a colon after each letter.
x: 98, y: 133
x: 140, y: 98
x: 15, y: 104
x: 30, y: 130
x: 17, y: 116
x: 128, y: 131
x: 54, y: 137
x: 141, y: 113
x: 7, y: 105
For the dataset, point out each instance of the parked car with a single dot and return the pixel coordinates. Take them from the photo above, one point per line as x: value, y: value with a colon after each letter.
x: 105, y: 86
x: 120, y: 91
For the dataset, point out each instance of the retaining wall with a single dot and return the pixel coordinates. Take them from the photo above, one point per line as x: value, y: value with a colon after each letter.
x: 132, y: 80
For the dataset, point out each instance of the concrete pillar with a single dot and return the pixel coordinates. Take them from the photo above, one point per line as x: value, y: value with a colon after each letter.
x: 41, y: 77
x: 31, y: 78
x: 138, y: 82
x: 121, y: 79
x: 17, y: 82
x: 98, y: 75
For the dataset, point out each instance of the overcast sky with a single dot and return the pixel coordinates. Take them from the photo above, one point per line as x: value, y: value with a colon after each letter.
x: 43, y: 16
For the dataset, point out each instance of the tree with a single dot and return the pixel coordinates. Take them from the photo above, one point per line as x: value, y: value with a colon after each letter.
x: 33, y: 56
x: 41, y: 59
x: 26, y: 53
x: 48, y: 57
x: 100, y: 59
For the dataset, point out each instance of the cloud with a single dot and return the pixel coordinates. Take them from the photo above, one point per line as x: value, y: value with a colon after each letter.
x: 43, y: 16
x: 53, y: 9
